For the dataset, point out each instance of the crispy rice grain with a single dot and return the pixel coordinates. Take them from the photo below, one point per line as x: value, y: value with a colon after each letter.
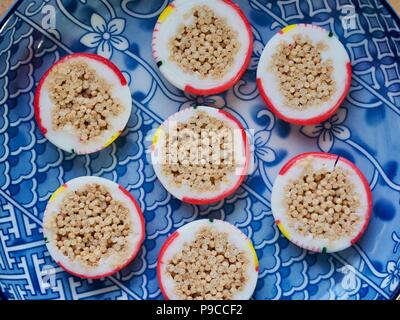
x: 207, y: 46
x: 91, y: 225
x: 209, y: 268
x: 304, y: 79
x: 5, y: 5
x: 199, y: 153
x: 82, y: 100
x: 323, y: 203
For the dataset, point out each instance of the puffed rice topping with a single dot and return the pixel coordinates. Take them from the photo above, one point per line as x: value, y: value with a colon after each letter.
x: 304, y: 79
x: 91, y: 225
x: 81, y: 99
x: 323, y: 203
x: 199, y: 153
x: 209, y: 268
x: 207, y: 46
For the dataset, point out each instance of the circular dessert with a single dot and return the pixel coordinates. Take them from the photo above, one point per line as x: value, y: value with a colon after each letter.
x: 321, y: 202
x: 93, y: 227
x: 205, y: 260
x: 201, y: 155
x: 82, y: 103
x: 202, y: 47
x: 304, y: 74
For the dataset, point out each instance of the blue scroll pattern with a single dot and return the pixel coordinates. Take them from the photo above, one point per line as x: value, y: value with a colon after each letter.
x: 365, y: 130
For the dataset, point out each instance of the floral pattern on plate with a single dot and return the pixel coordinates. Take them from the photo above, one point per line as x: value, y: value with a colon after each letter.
x: 365, y: 130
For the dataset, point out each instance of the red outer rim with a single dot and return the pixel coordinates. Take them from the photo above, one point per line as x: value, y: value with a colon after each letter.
x: 292, y: 161
x: 135, y: 252
x: 314, y: 120
x: 243, y: 174
x: 369, y: 197
x: 155, y: 30
x: 230, y: 83
x: 108, y: 63
x: 139, y: 211
x: 362, y: 177
x: 164, y: 248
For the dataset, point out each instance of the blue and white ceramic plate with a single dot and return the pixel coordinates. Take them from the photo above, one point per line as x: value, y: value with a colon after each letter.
x: 365, y: 130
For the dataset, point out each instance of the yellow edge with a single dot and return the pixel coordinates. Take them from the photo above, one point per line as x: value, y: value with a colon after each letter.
x: 156, y: 135
x: 288, y: 28
x: 167, y: 11
x: 284, y: 231
x: 254, y: 254
x: 113, y: 138
x: 57, y: 192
